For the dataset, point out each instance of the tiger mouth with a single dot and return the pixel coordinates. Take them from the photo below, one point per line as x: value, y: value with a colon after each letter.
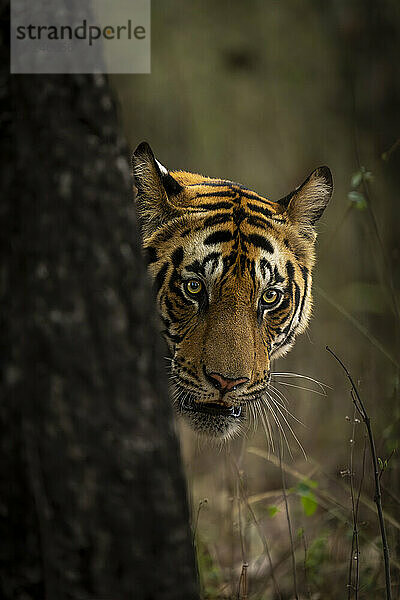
x: 211, y: 408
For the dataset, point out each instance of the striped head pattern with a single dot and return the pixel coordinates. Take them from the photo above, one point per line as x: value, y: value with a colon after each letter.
x: 232, y: 276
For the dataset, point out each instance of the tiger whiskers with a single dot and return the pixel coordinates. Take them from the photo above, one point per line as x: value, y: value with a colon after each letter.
x: 267, y: 406
x: 282, y: 414
x: 278, y: 420
x: 267, y: 428
x: 271, y: 402
x: 178, y: 395
x: 323, y: 386
x: 254, y: 416
x: 300, y: 387
x: 283, y: 403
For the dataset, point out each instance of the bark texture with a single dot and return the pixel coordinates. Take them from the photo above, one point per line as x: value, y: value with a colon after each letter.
x: 92, y: 495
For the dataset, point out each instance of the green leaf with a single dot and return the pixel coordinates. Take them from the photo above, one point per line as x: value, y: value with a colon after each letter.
x: 307, y: 496
x: 380, y: 463
x: 368, y: 176
x: 303, y: 488
x: 309, y: 504
x: 272, y: 510
x: 358, y: 199
x: 356, y: 179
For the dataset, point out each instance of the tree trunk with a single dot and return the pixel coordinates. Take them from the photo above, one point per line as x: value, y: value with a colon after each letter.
x: 92, y: 494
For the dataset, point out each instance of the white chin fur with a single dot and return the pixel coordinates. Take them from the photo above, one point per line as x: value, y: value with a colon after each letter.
x: 217, y: 427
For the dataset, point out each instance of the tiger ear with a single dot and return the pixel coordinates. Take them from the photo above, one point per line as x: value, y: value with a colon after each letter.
x: 155, y: 190
x: 305, y: 205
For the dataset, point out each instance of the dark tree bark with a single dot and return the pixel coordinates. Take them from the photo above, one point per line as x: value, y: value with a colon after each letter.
x: 92, y: 495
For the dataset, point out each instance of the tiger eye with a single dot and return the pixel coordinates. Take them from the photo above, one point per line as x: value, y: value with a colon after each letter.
x: 271, y: 297
x: 193, y: 286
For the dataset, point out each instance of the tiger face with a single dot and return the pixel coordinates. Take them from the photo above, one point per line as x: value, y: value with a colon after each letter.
x: 232, y: 278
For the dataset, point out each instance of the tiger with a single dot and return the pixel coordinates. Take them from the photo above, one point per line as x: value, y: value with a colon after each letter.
x: 232, y: 277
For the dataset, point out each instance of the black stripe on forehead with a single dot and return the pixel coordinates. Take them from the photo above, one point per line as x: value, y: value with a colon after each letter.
x: 218, y: 237
x: 238, y: 215
x: 274, y: 275
x: 259, y: 209
x: 196, y: 267
x: 222, y: 194
x: 245, y: 193
x: 264, y: 267
x: 277, y: 276
x: 214, y: 205
x: 260, y: 242
x: 258, y: 222
x: 217, y: 219
x: 212, y: 257
x: 200, y: 267
x: 177, y: 256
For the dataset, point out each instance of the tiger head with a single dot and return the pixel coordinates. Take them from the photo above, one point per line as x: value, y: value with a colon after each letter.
x: 232, y: 277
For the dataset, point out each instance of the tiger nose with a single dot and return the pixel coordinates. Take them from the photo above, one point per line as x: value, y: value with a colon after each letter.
x: 225, y: 384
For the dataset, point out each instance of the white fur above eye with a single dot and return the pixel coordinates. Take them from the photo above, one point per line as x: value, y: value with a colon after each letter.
x: 163, y: 170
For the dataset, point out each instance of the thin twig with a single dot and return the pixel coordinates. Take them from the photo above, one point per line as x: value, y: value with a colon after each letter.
x: 200, y: 506
x: 358, y: 403
x: 354, y: 513
x: 243, y: 593
x: 357, y: 510
x: 296, y: 595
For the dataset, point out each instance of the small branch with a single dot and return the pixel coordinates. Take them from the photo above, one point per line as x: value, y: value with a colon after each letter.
x: 359, y: 405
